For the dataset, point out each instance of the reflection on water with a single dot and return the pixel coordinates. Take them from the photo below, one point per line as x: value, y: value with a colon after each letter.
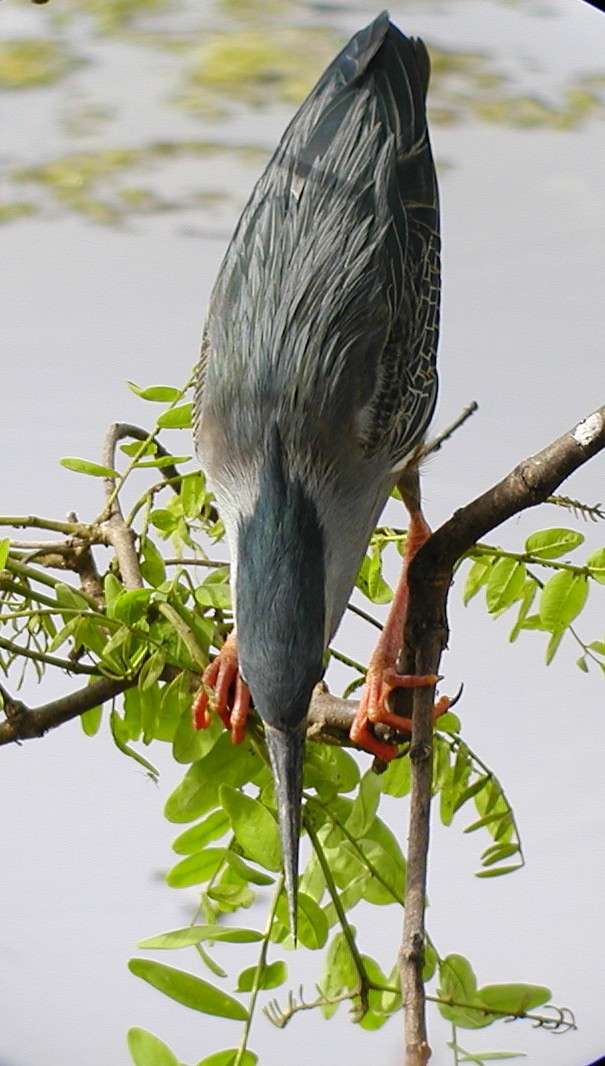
x: 109, y: 103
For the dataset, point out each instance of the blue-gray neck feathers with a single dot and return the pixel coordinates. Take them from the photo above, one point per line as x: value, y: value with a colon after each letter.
x: 280, y: 627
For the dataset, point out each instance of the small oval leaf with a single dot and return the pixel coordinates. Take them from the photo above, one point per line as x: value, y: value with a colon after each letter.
x: 229, y: 1057
x: 255, y: 828
x: 550, y: 543
x: 189, y: 990
x: 197, y: 934
x: 83, y: 466
x: 505, y: 584
x: 562, y: 599
x: 176, y: 417
x: 147, y: 1050
x: 515, y: 998
x: 596, y: 565
x: 272, y: 976
x: 156, y: 393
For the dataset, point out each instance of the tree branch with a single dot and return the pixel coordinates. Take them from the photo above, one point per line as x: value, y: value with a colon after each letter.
x: 119, y: 534
x: 24, y: 723
x: 426, y: 631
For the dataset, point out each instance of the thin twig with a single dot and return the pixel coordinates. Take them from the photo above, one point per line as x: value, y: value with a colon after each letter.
x: 213, y: 563
x: 18, y: 651
x: 434, y: 445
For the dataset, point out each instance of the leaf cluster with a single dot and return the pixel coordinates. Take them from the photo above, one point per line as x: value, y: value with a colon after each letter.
x: 154, y: 636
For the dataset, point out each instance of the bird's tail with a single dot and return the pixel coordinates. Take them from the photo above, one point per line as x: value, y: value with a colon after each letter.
x: 286, y: 754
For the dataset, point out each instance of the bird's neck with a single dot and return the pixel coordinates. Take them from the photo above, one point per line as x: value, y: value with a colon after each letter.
x: 280, y: 599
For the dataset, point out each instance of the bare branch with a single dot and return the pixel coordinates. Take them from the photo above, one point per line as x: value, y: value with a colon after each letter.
x: 434, y: 445
x: 426, y: 631
x: 35, y: 546
x: 118, y: 533
x: 24, y: 723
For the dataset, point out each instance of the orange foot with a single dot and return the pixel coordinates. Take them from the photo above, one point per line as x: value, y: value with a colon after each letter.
x: 381, y: 680
x: 224, y: 690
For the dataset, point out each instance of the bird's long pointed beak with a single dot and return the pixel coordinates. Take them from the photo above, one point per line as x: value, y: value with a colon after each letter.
x: 286, y: 753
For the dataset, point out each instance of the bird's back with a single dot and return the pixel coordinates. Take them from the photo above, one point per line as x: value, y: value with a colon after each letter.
x: 324, y: 315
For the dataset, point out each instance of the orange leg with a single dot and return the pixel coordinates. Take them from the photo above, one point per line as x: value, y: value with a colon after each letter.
x: 223, y: 688
x: 382, y: 677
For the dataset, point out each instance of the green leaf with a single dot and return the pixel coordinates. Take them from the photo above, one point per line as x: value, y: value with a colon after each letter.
x: 246, y: 872
x: 255, y: 828
x: 197, y: 934
x: 139, y: 448
x: 156, y: 393
x: 513, y: 998
x: 397, y: 778
x: 193, y: 494
x: 232, y: 897
x: 370, y: 579
x: 198, y: 791
x: 330, y: 769
x: 498, y: 852
x: 365, y: 805
x: 91, y: 720
x: 562, y: 599
x: 472, y: 790
x: 498, y: 871
x: 4, y: 549
x: 195, y: 869
x: 431, y: 960
x: 312, y: 923
x: 191, y: 744
x: 376, y: 1016
x: 217, y: 596
x: 130, y: 605
x: 505, y: 584
x: 553, y: 645
x: 152, y: 669
x: 83, y: 466
x: 596, y: 565
x: 70, y: 597
x: 162, y: 461
x: 272, y: 976
x: 150, y: 712
x: 163, y: 520
x: 194, y: 839
x: 477, y: 576
x: 551, y: 543
x: 147, y: 1050
x: 228, y: 1058
x: 339, y: 970
x: 176, y: 417
x: 457, y: 979
x: 479, y: 1058
x: 153, y: 569
x: 527, y: 599
x: 120, y: 734
x: 189, y: 990
x: 448, y: 723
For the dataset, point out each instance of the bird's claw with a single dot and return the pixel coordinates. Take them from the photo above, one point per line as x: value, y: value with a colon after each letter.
x: 223, y: 691
x: 381, y: 681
